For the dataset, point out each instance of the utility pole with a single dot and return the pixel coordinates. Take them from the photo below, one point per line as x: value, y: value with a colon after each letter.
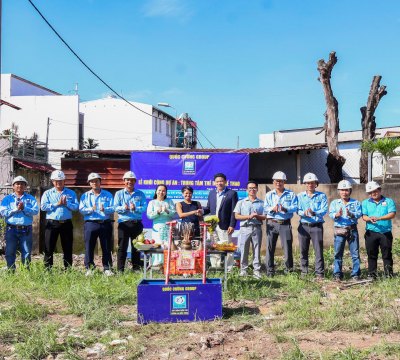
x: 1, y: 23
x: 47, y: 138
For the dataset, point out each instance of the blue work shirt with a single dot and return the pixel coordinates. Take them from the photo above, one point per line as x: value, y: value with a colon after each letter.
x: 122, y: 198
x: 13, y: 216
x: 248, y: 207
x: 288, y: 200
x: 354, y: 208
x: 318, y: 203
x: 383, y: 207
x: 49, y: 203
x: 88, y: 199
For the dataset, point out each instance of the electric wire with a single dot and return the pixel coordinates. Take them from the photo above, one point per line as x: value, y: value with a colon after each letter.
x: 94, y: 73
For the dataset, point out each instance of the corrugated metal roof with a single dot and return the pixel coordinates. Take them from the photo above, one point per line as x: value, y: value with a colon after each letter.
x: 111, y: 171
x: 125, y: 153
x: 35, y: 166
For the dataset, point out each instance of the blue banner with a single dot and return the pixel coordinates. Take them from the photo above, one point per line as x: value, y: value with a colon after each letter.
x: 176, y: 169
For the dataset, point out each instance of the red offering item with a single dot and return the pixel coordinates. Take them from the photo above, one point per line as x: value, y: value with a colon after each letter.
x: 184, y: 262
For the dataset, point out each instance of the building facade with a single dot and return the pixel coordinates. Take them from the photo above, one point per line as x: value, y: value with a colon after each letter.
x: 117, y: 125
x: 44, y: 112
x: 314, y: 160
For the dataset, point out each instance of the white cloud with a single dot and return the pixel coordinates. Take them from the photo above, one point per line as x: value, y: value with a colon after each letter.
x: 167, y: 8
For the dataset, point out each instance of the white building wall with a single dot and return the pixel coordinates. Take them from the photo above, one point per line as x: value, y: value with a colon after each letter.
x: 118, y: 126
x: 37, y: 105
x: 162, y: 137
x: 32, y: 118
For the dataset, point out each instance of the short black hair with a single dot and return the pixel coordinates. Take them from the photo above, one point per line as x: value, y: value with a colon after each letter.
x: 220, y: 175
x: 187, y: 187
x: 252, y: 182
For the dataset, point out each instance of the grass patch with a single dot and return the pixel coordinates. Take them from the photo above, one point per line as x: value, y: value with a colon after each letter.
x: 36, y: 305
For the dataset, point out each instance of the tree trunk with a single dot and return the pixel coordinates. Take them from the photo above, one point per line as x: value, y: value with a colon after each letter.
x: 368, y: 123
x: 335, y: 161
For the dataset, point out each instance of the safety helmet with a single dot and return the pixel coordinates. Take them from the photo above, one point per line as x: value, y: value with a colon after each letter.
x: 57, y: 175
x: 371, y: 186
x: 279, y: 175
x: 129, y: 175
x: 19, y: 178
x: 310, y: 177
x: 343, y: 185
x: 93, y: 176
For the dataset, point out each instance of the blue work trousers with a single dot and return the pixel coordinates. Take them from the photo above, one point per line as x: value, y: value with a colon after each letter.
x: 339, y: 244
x: 18, y: 238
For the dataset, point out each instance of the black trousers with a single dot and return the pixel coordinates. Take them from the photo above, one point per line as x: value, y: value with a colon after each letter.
x: 52, y: 231
x: 374, y: 241
x: 128, y: 231
x: 103, y: 231
x: 314, y: 234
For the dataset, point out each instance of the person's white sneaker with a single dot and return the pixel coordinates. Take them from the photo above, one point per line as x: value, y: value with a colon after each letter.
x: 108, y: 273
x: 89, y: 272
x: 243, y: 273
x: 256, y: 274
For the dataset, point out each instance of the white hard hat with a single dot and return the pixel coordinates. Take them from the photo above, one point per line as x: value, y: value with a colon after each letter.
x: 93, y: 176
x: 129, y: 175
x: 19, y: 178
x: 310, y: 177
x: 57, y: 175
x: 371, y: 186
x: 344, y: 184
x: 279, y: 175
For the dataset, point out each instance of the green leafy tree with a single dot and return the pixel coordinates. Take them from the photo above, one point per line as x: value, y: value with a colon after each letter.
x: 385, y: 146
x: 90, y: 144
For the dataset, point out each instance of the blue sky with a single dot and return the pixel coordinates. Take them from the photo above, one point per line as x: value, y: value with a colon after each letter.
x: 239, y: 68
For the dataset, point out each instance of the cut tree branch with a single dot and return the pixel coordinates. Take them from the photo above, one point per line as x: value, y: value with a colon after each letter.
x: 368, y: 124
x: 335, y: 161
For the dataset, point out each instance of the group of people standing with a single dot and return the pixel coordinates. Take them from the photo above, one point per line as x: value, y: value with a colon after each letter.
x: 98, y: 206
x: 311, y: 205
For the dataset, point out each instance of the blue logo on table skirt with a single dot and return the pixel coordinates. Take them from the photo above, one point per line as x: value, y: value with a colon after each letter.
x: 179, y: 301
x: 189, y: 167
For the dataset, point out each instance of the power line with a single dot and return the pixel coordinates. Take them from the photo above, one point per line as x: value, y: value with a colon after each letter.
x: 197, y: 127
x: 84, y: 63
x: 94, y: 73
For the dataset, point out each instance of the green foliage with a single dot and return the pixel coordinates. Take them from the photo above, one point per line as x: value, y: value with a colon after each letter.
x: 385, y: 146
x: 90, y: 144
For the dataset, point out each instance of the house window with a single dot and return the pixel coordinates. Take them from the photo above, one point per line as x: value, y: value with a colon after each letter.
x: 155, y: 124
x: 159, y: 125
x: 168, y: 127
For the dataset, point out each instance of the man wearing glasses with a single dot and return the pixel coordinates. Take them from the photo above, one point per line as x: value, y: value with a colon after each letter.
x: 280, y: 204
x: 250, y: 212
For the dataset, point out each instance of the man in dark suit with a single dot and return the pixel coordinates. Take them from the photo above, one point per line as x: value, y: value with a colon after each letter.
x: 222, y: 202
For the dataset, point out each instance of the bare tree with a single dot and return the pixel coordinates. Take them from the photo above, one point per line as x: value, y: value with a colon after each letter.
x: 368, y: 124
x: 335, y: 161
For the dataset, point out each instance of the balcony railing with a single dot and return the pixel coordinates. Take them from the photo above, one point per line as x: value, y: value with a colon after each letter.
x: 23, y: 148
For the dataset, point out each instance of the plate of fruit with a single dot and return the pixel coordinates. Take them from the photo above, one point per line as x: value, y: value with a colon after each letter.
x: 145, y: 244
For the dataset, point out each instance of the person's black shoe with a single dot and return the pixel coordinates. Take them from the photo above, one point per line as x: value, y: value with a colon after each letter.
x: 337, y: 278
x: 355, y: 278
